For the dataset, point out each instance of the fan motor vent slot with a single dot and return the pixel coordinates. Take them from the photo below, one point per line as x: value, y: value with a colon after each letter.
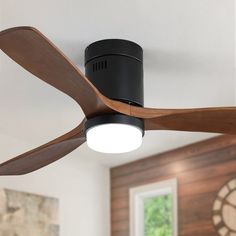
x: 100, y: 65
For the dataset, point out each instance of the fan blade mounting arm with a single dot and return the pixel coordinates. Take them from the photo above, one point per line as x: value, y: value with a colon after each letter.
x: 214, y: 120
x: 45, y: 154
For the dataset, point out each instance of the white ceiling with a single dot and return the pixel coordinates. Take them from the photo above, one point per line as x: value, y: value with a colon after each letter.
x: 188, y: 53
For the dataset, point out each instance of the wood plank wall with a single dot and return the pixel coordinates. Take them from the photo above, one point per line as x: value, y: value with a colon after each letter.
x: 201, y: 169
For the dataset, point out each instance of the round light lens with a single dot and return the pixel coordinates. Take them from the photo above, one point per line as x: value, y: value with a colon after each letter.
x: 114, y: 138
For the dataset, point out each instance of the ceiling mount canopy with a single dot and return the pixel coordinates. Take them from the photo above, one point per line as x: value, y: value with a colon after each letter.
x: 113, y: 85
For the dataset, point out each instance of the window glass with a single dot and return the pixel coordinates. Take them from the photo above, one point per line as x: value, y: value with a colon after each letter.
x: 158, y: 215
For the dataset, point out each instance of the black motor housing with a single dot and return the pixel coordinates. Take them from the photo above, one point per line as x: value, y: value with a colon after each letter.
x: 115, y: 67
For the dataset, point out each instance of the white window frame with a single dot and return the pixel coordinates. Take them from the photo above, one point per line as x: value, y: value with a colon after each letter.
x: 137, y: 196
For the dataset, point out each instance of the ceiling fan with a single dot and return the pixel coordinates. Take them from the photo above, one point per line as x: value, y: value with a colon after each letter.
x: 110, y: 95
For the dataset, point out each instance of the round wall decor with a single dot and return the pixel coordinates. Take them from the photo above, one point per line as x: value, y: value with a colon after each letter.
x: 224, y: 210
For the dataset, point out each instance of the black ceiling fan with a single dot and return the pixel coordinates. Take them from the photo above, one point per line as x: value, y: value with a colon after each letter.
x: 110, y: 95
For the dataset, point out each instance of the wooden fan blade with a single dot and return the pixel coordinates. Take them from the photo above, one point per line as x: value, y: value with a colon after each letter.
x: 213, y: 120
x: 45, y: 154
x: 34, y: 52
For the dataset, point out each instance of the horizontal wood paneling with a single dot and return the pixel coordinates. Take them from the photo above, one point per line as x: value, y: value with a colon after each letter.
x: 201, y: 169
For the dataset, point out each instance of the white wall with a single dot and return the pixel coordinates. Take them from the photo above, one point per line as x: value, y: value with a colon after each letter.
x: 80, y: 183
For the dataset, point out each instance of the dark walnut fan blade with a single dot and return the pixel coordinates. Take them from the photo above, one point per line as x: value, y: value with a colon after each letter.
x: 213, y: 120
x: 35, y: 53
x: 44, y: 155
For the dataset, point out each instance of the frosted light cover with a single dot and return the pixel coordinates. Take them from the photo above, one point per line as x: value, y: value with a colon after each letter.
x: 114, y: 138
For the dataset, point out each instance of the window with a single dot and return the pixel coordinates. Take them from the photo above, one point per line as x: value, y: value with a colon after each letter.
x: 153, y: 209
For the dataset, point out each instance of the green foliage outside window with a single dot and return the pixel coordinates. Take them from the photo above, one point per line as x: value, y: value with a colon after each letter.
x: 158, y: 216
